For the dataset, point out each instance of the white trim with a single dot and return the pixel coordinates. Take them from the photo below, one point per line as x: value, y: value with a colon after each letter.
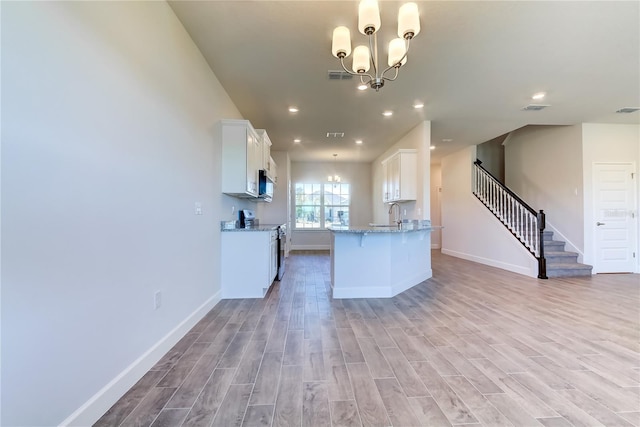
x: 99, y: 403
x: 569, y: 246
x: 310, y: 247
x: 436, y: 246
x: 503, y: 265
x: 381, y: 291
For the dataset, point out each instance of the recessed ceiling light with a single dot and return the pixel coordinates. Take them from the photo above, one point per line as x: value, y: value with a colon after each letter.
x: 538, y: 96
x: 447, y: 140
x: 433, y: 147
x: 297, y: 140
x: 418, y: 105
x: 293, y: 109
x: 387, y: 113
x: 358, y: 141
x: 362, y: 87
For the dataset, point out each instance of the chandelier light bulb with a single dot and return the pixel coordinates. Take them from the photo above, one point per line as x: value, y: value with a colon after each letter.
x: 408, y: 21
x: 361, y: 61
x: 368, y: 17
x: 341, y: 44
x: 397, y: 50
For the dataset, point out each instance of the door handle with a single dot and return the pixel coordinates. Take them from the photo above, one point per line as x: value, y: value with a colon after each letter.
x: 599, y: 223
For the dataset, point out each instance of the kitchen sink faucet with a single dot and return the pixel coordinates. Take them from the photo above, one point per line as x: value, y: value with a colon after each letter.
x: 397, y: 217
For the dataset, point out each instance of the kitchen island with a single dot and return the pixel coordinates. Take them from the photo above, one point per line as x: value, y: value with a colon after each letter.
x: 379, y: 262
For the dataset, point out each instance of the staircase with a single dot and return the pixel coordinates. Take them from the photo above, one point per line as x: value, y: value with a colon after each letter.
x: 561, y: 263
x: 527, y: 225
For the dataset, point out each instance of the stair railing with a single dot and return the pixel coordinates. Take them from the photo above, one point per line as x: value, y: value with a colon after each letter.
x: 521, y: 220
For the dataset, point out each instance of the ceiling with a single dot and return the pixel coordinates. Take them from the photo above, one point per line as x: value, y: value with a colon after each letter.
x: 474, y: 65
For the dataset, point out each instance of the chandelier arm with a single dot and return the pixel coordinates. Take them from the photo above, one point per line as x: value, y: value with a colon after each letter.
x: 394, y: 77
x: 345, y: 68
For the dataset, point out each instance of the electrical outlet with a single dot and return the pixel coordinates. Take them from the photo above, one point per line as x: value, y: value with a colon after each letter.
x: 198, y: 208
x: 157, y: 300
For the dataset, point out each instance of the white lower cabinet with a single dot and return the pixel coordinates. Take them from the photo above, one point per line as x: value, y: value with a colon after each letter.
x: 249, y: 263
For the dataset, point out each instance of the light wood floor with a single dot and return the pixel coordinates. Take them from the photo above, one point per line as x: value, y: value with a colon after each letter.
x: 474, y: 345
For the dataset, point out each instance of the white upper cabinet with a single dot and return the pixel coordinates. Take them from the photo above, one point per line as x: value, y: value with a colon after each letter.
x: 273, y: 168
x: 267, y: 162
x: 266, y: 148
x: 399, y: 173
x: 241, y: 158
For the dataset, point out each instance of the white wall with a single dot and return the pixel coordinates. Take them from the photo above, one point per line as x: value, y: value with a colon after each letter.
x: 418, y: 138
x: 470, y: 229
x: 108, y: 122
x: 543, y: 165
x: 436, y: 205
x: 360, y: 213
x: 614, y: 143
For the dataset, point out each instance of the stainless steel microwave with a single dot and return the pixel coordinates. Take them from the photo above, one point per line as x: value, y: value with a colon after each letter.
x: 265, y: 187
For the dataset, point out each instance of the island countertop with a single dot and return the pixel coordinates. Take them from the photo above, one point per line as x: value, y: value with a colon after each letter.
x: 362, y: 229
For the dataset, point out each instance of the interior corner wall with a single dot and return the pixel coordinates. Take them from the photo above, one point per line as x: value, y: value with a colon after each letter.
x: 607, y: 143
x: 418, y: 138
x: 358, y: 175
x: 543, y: 165
x: 470, y: 230
x: 491, y: 154
x: 108, y: 118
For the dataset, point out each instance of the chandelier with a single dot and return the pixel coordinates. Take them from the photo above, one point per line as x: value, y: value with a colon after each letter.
x: 335, y: 177
x: 364, y: 57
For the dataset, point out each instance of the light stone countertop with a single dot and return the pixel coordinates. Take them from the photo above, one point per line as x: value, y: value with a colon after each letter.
x: 260, y: 227
x: 366, y: 229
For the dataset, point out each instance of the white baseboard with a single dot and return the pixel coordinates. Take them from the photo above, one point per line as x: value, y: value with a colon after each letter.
x: 493, y: 263
x: 310, y: 247
x: 381, y: 291
x: 435, y: 246
x: 99, y: 403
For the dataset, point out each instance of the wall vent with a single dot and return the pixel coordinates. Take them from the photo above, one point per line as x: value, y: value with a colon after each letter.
x: 335, y: 134
x: 535, y: 107
x: 339, y: 75
x: 628, y: 110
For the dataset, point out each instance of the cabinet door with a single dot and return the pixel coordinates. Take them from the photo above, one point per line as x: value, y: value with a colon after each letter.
x: 407, y: 176
x: 385, y: 182
x: 266, y: 154
x: 273, y: 168
x: 274, y: 260
x: 394, y: 178
x: 252, y: 158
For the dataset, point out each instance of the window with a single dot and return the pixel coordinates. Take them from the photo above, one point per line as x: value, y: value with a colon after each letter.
x: 320, y: 205
x: 336, y: 204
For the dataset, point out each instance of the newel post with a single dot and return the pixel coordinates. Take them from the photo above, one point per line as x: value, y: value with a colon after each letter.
x: 542, y: 262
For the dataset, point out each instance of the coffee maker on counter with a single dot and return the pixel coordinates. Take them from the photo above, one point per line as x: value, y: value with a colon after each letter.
x: 247, y: 218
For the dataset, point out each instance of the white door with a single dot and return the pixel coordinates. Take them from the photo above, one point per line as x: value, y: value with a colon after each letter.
x: 615, y: 217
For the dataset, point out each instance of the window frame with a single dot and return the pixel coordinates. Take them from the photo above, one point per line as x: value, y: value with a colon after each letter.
x: 323, y: 223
